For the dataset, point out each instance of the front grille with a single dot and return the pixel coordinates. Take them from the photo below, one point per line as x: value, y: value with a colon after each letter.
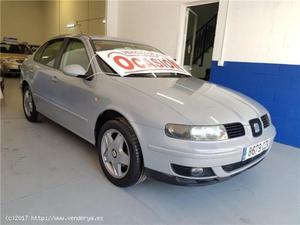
x: 234, y: 130
x: 238, y: 165
x: 266, y: 121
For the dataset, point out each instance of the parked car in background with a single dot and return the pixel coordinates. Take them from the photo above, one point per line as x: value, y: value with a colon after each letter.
x: 146, y: 115
x: 12, y: 55
x: 1, y: 79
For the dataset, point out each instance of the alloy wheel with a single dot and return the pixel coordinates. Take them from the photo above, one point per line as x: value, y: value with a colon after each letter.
x: 28, y: 103
x: 115, y: 153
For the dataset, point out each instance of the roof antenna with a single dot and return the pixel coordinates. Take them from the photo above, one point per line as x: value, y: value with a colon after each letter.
x: 77, y: 24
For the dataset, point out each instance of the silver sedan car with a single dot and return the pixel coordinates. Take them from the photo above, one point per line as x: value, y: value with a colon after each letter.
x: 145, y: 114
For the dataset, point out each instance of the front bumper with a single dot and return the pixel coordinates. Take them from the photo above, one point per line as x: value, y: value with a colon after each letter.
x: 189, y: 181
x: 224, y: 158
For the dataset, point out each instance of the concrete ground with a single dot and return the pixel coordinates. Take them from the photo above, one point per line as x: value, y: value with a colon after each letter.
x: 48, y: 171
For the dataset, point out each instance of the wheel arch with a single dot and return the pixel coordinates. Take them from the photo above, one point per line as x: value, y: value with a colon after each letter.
x: 24, y: 84
x: 110, y: 114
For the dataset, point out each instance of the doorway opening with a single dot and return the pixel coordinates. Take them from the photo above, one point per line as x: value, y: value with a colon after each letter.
x: 201, y: 21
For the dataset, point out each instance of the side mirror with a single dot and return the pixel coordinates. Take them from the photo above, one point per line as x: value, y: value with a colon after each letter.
x: 74, y: 70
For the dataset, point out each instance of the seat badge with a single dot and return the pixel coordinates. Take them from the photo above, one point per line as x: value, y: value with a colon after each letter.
x: 256, y: 128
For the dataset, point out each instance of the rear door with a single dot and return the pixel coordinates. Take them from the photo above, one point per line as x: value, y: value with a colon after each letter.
x: 45, y: 75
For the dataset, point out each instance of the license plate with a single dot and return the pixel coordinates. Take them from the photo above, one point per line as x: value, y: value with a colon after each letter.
x: 253, y: 150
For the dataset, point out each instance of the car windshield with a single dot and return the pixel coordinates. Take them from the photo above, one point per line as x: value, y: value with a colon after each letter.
x: 14, y: 48
x: 108, y: 45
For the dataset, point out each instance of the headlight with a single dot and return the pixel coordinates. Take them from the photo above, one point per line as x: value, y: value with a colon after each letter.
x: 196, y: 133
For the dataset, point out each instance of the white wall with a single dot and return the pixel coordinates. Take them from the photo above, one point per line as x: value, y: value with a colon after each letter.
x: 255, y: 31
x: 158, y: 23
x: 151, y: 22
x: 259, y: 31
x: 112, y: 18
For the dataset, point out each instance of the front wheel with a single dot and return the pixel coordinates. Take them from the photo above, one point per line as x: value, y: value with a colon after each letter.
x: 120, y: 153
x: 28, y: 105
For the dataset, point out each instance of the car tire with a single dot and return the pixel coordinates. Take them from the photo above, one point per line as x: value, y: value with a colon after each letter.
x: 134, y: 171
x: 29, y: 108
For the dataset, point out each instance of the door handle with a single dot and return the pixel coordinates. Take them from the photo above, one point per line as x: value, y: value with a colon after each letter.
x: 54, y: 79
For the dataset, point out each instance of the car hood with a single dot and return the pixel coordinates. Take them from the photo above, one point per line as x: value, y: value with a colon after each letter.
x: 200, y: 102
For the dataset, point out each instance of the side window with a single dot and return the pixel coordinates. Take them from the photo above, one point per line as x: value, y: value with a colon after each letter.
x: 75, y: 53
x: 38, y: 54
x: 51, y: 52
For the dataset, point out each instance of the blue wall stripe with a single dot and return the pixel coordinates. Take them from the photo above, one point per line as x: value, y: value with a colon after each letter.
x: 276, y: 86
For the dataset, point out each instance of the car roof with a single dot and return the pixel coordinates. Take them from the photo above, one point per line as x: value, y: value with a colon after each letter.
x: 96, y: 37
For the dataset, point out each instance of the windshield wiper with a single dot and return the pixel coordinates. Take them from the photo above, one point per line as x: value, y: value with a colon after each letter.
x: 140, y: 75
x: 158, y: 75
x: 181, y: 75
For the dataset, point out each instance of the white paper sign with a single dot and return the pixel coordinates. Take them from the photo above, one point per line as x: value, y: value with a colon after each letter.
x: 126, y: 62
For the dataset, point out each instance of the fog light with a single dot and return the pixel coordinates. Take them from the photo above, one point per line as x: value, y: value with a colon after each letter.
x: 192, y: 171
x: 197, y: 171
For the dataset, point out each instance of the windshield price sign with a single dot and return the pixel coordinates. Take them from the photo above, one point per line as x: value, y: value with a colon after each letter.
x: 126, y: 62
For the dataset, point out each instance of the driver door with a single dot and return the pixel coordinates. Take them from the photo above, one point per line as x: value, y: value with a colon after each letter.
x: 75, y: 96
